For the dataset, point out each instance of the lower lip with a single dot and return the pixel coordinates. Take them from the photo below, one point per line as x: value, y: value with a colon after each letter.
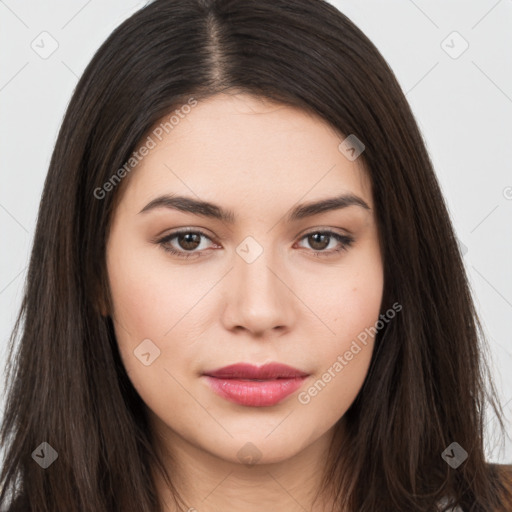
x: 255, y: 393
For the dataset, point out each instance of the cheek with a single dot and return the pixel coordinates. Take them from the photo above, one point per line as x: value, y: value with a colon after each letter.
x: 148, y: 301
x: 145, y: 309
x: 352, y: 299
x: 351, y: 310
x: 343, y: 359
x: 152, y: 303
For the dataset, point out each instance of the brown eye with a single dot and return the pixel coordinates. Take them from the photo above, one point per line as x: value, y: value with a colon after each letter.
x: 186, y: 244
x: 320, y: 240
x: 188, y: 241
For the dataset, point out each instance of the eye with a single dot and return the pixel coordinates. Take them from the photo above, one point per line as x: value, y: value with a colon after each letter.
x: 318, y: 239
x: 189, y: 240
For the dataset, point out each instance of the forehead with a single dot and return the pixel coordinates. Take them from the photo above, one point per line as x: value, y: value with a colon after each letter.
x: 246, y: 149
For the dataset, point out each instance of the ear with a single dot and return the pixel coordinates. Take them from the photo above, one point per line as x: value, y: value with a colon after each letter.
x: 101, y: 303
x: 103, y: 310
x: 100, y: 307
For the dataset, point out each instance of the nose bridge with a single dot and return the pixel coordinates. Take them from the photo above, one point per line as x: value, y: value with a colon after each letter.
x: 260, y: 296
x: 253, y: 267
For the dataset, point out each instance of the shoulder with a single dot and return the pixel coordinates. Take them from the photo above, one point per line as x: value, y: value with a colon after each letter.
x: 503, y: 477
x: 503, y: 473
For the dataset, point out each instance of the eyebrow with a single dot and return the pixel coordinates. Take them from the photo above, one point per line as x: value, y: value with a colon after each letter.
x: 207, y: 209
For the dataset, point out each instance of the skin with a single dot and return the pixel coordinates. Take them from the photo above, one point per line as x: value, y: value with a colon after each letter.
x: 258, y: 159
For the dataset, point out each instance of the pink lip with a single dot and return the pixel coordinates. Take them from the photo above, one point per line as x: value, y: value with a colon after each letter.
x: 255, y: 386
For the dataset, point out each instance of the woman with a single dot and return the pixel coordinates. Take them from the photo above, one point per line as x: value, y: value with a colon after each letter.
x: 245, y: 292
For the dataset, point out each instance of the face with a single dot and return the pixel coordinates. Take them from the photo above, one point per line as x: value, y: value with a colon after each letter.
x: 270, y: 282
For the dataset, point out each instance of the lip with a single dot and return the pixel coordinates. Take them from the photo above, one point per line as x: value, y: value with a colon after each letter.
x: 250, y: 371
x: 253, y: 386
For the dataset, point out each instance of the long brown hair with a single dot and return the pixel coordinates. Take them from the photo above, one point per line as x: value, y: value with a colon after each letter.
x: 428, y: 382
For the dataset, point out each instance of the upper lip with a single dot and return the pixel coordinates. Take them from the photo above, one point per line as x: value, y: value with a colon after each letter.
x: 250, y: 371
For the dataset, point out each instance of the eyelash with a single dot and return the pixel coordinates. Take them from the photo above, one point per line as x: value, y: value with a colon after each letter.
x: 346, y: 242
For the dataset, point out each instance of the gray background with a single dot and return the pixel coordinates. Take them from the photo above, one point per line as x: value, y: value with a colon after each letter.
x: 462, y: 101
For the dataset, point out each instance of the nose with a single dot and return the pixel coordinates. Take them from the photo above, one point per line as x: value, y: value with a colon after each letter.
x: 259, y: 294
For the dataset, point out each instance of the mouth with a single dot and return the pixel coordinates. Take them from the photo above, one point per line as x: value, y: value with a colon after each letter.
x: 253, y: 386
